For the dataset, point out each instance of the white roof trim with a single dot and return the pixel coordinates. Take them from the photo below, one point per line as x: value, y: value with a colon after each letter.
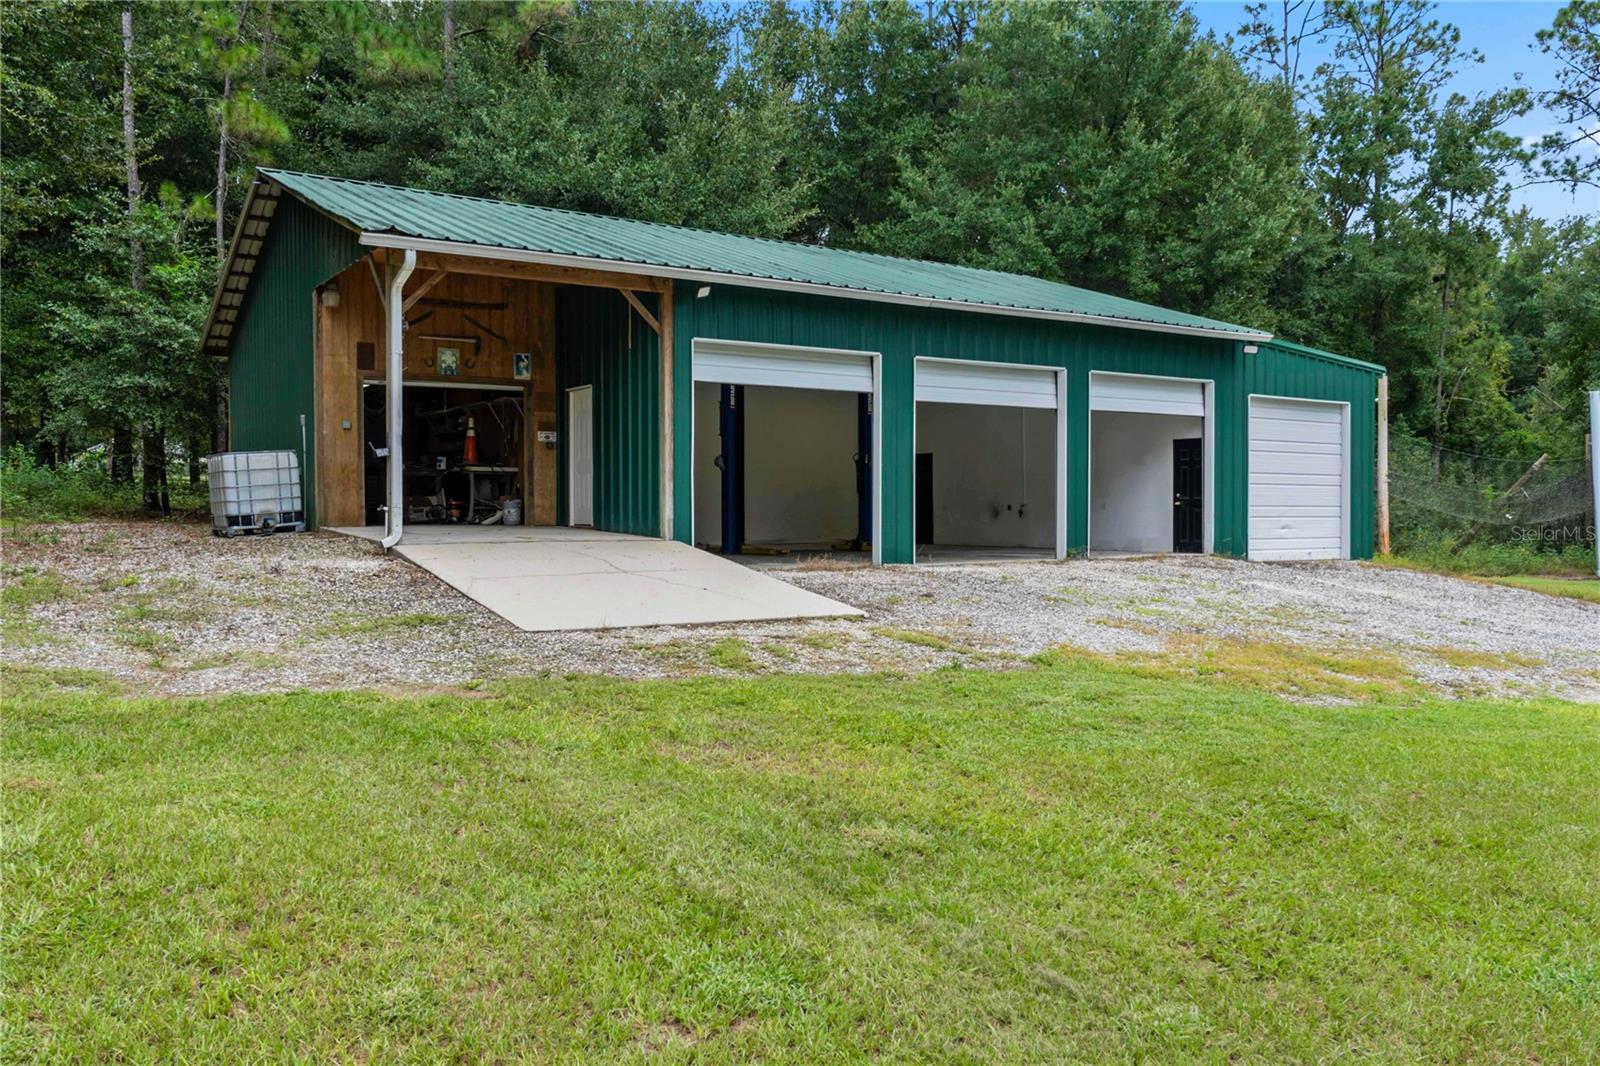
x: 523, y: 255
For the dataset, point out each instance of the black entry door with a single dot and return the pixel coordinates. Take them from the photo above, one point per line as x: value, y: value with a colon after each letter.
x: 924, y: 515
x: 1188, y: 492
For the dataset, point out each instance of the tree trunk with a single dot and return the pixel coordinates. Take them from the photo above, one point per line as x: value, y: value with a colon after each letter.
x: 449, y: 46
x: 192, y: 447
x: 153, y: 449
x: 153, y: 444
x: 122, y: 455
x: 1441, y: 409
x: 222, y: 131
x: 268, y: 38
x: 1443, y: 404
x: 222, y: 164
x: 130, y: 148
x: 1288, y: 80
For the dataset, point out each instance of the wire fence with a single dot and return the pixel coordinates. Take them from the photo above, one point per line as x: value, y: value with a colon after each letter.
x: 1437, y: 493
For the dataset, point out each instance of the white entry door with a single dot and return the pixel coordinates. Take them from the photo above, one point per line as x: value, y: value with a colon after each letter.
x: 1299, y: 476
x: 580, y: 456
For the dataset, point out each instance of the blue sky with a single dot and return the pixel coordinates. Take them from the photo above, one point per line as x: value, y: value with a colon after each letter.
x: 1503, y: 32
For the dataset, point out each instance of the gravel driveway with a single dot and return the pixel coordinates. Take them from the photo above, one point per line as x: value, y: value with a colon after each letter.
x: 167, y: 608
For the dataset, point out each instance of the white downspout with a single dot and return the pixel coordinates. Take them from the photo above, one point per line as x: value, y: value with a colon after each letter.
x: 395, y: 369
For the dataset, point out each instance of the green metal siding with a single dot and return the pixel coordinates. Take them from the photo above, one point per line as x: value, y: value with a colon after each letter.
x: 901, y: 334
x: 1291, y: 370
x: 271, y: 376
x: 600, y: 341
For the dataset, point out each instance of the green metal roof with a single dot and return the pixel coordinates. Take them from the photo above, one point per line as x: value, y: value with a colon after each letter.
x: 387, y: 214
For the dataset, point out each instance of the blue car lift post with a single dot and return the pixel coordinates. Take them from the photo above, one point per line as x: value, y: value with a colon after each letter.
x: 730, y: 426
x: 863, y: 459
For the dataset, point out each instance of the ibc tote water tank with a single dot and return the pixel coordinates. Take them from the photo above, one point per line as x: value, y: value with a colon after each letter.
x: 255, y: 492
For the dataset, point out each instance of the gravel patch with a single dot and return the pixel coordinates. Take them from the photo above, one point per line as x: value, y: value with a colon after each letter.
x: 1436, y: 624
x: 167, y: 608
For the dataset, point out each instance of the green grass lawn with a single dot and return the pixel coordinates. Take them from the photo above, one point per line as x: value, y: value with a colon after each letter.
x: 1573, y: 588
x: 1078, y: 861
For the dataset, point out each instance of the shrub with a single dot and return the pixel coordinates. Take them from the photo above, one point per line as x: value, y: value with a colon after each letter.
x: 1490, y: 558
x: 81, y: 488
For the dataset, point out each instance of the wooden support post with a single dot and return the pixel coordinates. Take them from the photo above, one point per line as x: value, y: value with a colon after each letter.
x: 319, y: 416
x: 1383, y: 465
x: 668, y: 436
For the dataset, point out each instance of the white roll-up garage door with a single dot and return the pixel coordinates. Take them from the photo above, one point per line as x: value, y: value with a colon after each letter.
x: 1298, y: 475
x: 1151, y: 396
x: 730, y: 363
x: 987, y: 384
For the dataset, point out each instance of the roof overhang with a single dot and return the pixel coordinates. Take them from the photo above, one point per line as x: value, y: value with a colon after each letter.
x: 249, y: 237
x: 522, y: 255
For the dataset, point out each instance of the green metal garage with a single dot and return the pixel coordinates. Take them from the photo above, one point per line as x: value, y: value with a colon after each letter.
x: 761, y: 396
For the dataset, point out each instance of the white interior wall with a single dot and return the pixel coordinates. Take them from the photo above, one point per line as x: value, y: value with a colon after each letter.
x: 799, y: 454
x: 1130, y: 479
x: 994, y: 474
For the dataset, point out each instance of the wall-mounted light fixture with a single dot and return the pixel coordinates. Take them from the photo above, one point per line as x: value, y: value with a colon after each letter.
x: 702, y: 292
x: 330, y: 294
x: 1251, y: 349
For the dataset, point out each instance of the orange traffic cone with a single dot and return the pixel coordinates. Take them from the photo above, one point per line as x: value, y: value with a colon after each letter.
x: 469, y: 450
